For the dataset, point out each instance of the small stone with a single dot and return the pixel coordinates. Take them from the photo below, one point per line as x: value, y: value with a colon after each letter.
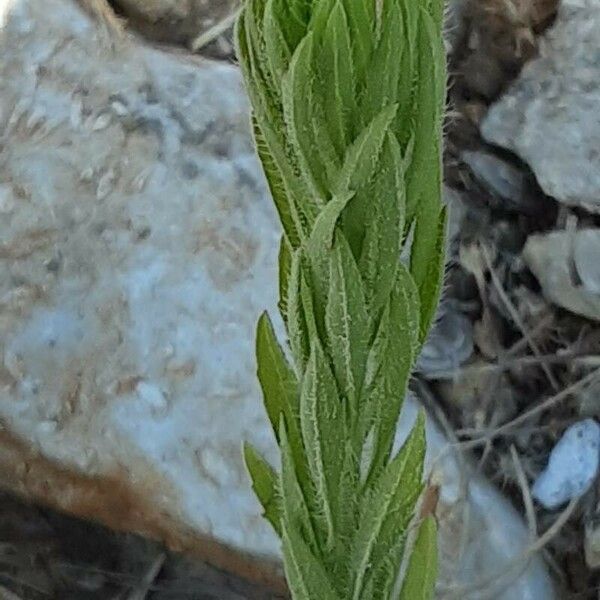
x: 498, y: 176
x: 572, y: 467
x: 449, y: 345
x: 586, y: 255
x: 566, y: 265
x: 457, y: 212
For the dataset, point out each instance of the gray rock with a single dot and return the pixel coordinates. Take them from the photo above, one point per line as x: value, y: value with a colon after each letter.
x: 566, y: 265
x: 499, y: 177
x: 550, y: 117
x: 457, y: 212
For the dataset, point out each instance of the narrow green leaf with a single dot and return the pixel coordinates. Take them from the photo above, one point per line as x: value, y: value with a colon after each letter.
x: 428, y: 122
x: 277, y: 50
x: 305, y: 574
x: 278, y: 381
x: 284, y: 201
x: 264, y: 484
x: 268, y: 111
x: 387, y: 509
x: 304, y: 106
x: 281, y: 391
x: 383, y: 75
x: 428, y: 256
x: 338, y: 86
x: 404, y: 124
x: 419, y: 581
x: 299, y: 109
x: 360, y: 168
x: 295, y: 507
x: 285, y: 271
x: 293, y: 19
x: 347, y: 322
x: 384, y: 224
x: 279, y: 163
x: 363, y: 155
x: 318, y: 250
x: 436, y: 9
x: 296, y: 324
x: 361, y: 17
x: 428, y: 248
x: 323, y: 431
x: 262, y: 79
x: 396, y: 356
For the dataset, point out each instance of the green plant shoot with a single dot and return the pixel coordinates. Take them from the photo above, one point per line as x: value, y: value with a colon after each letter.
x: 347, y: 105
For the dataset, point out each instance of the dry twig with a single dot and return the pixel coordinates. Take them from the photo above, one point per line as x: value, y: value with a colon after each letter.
x: 144, y: 585
x: 516, y: 317
x: 526, y: 493
x: 211, y: 34
x: 545, y: 405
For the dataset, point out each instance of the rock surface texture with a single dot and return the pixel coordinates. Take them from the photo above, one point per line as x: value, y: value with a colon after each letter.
x: 550, y: 117
x: 137, y: 248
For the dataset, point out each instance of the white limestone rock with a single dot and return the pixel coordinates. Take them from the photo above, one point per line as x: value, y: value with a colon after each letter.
x: 550, y: 116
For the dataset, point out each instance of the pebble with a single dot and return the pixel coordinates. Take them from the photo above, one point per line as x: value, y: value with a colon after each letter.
x: 572, y: 468
x: 498, y: 176
x: 565, y: 264
x: 449, y: 345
